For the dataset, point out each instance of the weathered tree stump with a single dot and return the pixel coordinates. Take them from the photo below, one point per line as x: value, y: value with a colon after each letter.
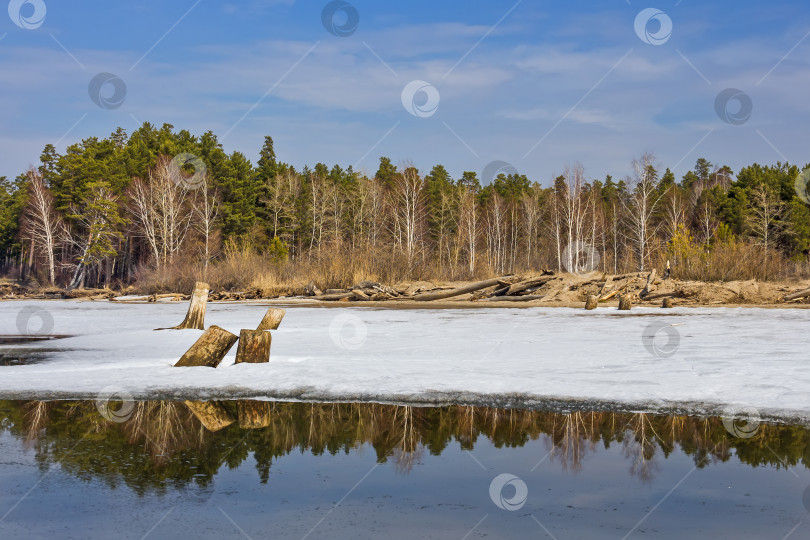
x: 272, y: 319
x: 209, y: 349
x: 195, y: 317
x: 667, y: 303
x: 592, y: 302
x: 625, y: 303
x: 211, y: 414
x: 254, y: 347
x: 253, y: 414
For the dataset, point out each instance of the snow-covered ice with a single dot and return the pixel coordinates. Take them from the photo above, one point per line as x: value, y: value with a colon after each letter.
x: 688, y: 359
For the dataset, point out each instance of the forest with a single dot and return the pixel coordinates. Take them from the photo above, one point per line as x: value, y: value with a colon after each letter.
x: 162, y: 208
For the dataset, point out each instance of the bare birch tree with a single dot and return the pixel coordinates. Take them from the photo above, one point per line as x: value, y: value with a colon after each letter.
x: 41, y: 223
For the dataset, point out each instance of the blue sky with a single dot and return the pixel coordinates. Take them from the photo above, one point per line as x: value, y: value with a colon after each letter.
x: 540, y: 85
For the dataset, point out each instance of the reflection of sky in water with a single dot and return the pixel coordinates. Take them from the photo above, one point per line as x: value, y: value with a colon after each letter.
x: 587, y: 492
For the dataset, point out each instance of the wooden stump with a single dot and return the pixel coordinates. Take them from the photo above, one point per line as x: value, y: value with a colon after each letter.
x: 272, y: 319
x: 591, y: 302
x: 667, y: 303
x: 625, y: 303
x: 209, y: 349
x: 211, y: 414
x: 253, y: 414
x: 195, y: 317
x: 254, y: 347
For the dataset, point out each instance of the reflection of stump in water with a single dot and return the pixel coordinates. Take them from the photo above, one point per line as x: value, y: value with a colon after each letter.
x: 209, y: 349
x: 254, y: 347
x: 195, y: 317
x: 211, y: 414
x: 253, y: 414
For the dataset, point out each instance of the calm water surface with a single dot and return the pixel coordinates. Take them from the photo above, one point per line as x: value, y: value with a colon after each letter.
x: 296, y: 470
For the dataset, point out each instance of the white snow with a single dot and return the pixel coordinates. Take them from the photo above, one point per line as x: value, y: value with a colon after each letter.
x: 534, y: 357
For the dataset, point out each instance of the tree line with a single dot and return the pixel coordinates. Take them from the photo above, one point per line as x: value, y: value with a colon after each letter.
x: 109, y: 211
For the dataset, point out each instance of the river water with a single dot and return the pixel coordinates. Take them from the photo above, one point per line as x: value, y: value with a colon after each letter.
x: 163, y: 469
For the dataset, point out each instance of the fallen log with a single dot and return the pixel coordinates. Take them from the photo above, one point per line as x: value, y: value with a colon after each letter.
x: 523, y: 285
x: 360, y: 295
x: 209, y: 349
x: 796, y: 295
x: 331, y: 297
x: 253, y: 414
x: 271, y: 319
x: 254, y: 347
x: 617, y: 291
x: 524, y: 298
x: 440, y: 295
x: 195, y: 317
x: 211, y: 414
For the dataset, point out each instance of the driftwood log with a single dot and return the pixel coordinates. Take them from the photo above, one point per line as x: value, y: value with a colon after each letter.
x: 625, y: 303
x: 271, y: 319
x: 195, y: 317
x: 592, y: 302
x: 335, y: 296
x: 211, y: 414
x: 253, y: 414
x: 440, y: 295
x: 796, y: 295
x: 667, y: 303
x: 209, y: 349
x: 254, y: 347
x: 524, y: 298
x: 528, y: 284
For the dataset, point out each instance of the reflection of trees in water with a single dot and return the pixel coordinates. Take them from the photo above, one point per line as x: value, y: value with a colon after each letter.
x: 166, y: 443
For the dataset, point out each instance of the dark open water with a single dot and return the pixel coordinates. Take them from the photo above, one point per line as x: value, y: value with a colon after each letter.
x: 294, y: 470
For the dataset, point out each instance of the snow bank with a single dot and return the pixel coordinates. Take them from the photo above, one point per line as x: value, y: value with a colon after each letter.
x: 697, y: 360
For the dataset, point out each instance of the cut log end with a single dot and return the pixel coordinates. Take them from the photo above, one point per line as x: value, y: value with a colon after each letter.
x: 625, y: 303
x: 272, y: 319
x: 254, y: 347
x: 592, y: 302
x: 209, y: 349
